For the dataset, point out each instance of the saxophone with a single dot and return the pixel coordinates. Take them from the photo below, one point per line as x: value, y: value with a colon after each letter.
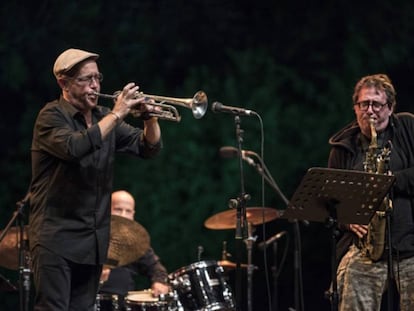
x: 373, y: 243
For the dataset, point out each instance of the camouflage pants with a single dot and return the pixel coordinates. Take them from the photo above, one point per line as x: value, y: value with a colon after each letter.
x: 362, y: 282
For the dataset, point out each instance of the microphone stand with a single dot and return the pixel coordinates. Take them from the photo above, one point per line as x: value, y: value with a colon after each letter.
x: 241, y: 221
x: 390, y: 267
x: 250, y: 267
x: 298, y: 286
x: 275, y: 278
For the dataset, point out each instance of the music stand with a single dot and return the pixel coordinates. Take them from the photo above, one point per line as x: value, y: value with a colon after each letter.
x: 335, y: 196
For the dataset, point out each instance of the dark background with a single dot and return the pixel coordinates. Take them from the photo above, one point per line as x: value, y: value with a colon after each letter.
x: 293, y: 62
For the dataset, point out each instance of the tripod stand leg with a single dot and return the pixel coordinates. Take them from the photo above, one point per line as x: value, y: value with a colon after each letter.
x: 333, y: 294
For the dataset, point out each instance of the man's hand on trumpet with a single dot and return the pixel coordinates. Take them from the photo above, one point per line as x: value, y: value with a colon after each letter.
x: 130, y: 101
x: 126, y: 99
x: 146, y: 109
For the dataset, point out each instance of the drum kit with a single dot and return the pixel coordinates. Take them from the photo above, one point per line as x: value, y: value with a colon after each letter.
x: 200, y: 286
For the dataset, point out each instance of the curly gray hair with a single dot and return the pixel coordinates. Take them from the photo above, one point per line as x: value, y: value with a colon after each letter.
x: 381, y: 82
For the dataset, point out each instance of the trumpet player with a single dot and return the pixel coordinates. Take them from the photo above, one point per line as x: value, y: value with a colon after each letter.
x: 362, y: 280
x: 73, y: 147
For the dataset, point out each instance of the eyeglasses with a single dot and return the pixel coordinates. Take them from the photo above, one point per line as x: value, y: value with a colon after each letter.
x: 86, y: 80
x: 376, y: 106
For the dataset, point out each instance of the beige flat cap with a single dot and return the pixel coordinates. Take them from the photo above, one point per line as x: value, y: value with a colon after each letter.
x: 70, y: 58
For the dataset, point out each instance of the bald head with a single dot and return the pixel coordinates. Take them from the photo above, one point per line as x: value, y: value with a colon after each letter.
x: 123, y: 204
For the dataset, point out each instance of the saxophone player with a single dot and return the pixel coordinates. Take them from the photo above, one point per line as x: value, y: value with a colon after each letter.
x: 362, y: 280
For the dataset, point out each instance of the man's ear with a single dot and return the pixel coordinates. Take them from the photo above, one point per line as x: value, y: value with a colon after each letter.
x: 63, y: 83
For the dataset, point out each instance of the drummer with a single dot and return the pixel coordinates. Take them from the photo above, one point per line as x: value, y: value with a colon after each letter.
x: 119, y: 281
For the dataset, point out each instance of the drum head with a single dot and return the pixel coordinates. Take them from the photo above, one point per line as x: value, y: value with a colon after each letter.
x: 142, y: 296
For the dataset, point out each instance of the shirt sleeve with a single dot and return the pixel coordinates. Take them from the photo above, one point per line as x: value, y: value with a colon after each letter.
x: 63, y: 135
x: 150, y: 266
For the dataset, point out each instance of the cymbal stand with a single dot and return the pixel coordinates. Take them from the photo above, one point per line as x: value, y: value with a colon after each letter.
x: 250, y: 267
x: 200, y: 250
x: 24, y: 266
x: 275, y: 299
x: 224, y: 253
x: 2, y: 235
x: 24, y: 270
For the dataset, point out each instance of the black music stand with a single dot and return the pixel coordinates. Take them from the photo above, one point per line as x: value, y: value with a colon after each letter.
x: 335, y: 196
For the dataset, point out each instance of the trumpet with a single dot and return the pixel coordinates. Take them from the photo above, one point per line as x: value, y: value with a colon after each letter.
x: 198, y: 104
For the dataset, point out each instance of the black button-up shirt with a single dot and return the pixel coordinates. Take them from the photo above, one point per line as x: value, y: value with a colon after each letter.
x: 72, y: 174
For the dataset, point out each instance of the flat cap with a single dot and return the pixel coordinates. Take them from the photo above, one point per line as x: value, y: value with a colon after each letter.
x: 70, y: 58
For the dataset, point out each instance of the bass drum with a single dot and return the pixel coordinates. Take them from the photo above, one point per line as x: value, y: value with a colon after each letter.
x: 201, y: 286
x: 145, y: 301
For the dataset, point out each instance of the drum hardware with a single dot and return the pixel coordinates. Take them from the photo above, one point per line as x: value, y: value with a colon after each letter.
x: 254, y: 215
x: 249, y: 241
x: 6, y: 285
x: 107, y: 302
x: 227, y: 220
x: 145, y: 301
x: 17, y: 241
x: 202, y: 286
x: 230, y: 265
x: 128, y: 241
x: 9, y: 247
x: 200, y: 250
x: 224, y: 262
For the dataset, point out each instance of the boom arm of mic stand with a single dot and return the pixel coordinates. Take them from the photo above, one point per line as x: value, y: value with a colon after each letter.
x: 263, y: 171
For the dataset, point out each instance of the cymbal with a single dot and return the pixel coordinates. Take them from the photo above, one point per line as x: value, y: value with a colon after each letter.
x: 9, y: 250
x: 230, y: 265
x: 128, y: 242
x: 254, y: 216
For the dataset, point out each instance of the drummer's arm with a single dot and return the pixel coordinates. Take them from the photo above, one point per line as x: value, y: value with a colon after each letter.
x: 150, y: 266
x: 104, y: 275
x: 159, y: 288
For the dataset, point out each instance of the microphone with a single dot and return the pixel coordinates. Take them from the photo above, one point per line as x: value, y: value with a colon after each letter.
x: 232, y: 152
x: 264, y: 244
x: 219, y: 107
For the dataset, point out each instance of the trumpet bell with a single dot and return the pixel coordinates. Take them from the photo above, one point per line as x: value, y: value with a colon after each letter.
x: 199, y: 104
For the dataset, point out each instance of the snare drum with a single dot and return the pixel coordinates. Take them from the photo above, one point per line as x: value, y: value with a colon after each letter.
x: 145, y: 301
x: 201, y: 286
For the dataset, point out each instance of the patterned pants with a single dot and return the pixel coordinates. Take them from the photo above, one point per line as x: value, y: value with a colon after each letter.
x: 362, y: 282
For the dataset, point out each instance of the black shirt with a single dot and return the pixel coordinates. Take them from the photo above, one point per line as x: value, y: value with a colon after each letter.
x: 72, y: 173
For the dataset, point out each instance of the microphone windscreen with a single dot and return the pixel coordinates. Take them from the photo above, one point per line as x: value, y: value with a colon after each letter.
x: 216, y: 106
x: 229, y: 152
